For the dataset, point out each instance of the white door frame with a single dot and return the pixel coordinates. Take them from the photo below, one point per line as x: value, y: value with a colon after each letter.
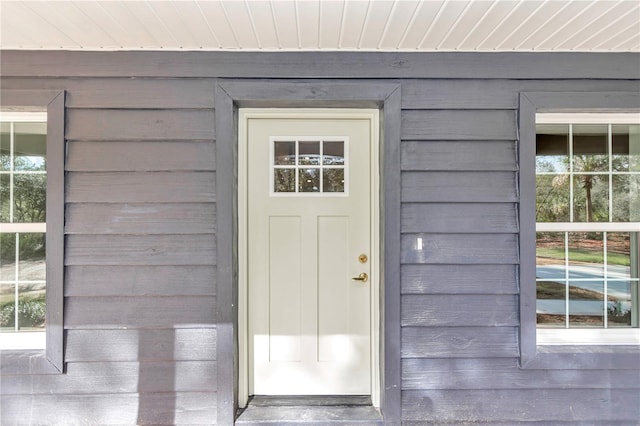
x: 243, y: 313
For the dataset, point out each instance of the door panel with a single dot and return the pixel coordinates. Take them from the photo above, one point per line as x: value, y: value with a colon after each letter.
x: 284, y: 292
x: 309, y: 221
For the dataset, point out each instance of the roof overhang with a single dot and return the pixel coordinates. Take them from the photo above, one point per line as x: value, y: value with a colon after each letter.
x: 322, y: 25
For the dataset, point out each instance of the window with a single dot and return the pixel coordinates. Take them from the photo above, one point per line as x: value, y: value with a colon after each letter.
x: 588, y: 222
x: 309, y: 166
x: 554, y: 346
x: 23, y: 147
x: 31, y: 231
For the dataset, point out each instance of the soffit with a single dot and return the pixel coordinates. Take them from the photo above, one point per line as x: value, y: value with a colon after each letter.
x: 322, y: 25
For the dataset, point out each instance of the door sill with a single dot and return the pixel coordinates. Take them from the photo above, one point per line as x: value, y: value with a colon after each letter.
x: 309, y: 410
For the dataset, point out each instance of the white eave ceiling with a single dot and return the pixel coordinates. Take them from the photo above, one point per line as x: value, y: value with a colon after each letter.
x: 322, y: 25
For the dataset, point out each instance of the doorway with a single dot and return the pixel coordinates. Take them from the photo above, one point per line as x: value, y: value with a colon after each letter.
x: 308, y: 252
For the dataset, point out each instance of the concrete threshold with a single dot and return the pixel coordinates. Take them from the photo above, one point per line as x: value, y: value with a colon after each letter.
x: 310, y: 410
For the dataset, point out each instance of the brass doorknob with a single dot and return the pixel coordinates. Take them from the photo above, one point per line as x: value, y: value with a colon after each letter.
x: 362, y: 277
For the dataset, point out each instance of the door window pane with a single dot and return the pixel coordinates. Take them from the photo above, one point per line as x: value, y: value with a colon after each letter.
x: 284, y: 153
x: 309, y: 153
x: 333, y: 180
x: 309, y: 180
x: 284, y: 180
x: 333, y: 153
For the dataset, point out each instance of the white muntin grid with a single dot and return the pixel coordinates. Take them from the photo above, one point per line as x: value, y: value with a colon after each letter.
x: 19, y: 228
x: 296, y: 167
x: 605, y: 228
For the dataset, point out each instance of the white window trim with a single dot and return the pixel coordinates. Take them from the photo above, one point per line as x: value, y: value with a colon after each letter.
x: 588, y: 336
x: 23, y: 117
x: 52, y: 103
x: 28, y: 340
x: 588, y: 118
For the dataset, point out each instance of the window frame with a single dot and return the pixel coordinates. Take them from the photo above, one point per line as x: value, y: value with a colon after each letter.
x: 559, y: 356
x: 51, y: 359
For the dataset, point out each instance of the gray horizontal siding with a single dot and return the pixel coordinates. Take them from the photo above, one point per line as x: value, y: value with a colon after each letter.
x: 179, y: 344
x: 111, y: 409
x: 141, y: 223
x: 479, y: 310
x: 145, y: 156
x: 459, y: 342
x: 136, y: 187
x: 469, y: 218
x: 505, y: 374
x: 140, y: 218
x: 140, y: 254
x: 459, y: 125
x: 117, y: 124
x: 495, y: 94
x: 571, y: 405
x: 459, y: 248
x: 459, y: 279
x: 126, y: 93
x: 473, y: 65
x: 128, y: 377
x: 459, y: 187
x: 140, y: 280
x: 140, y: 250
x: 458, y: 155
x: 139, y: 312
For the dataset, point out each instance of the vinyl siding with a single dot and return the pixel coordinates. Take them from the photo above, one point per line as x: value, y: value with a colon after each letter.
x: 141, y: 222
x: 140, y: 259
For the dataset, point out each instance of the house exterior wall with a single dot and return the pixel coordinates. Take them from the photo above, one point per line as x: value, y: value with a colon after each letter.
x: 140, y: 311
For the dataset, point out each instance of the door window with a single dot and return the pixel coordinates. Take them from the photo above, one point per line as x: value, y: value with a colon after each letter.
x: 303, y: 166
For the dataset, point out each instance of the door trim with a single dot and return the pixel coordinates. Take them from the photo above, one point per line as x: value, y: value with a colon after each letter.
x: 244, y: 114
x: 231, y: 94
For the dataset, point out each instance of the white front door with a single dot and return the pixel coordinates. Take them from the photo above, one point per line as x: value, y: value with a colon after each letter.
x: 308, y: 236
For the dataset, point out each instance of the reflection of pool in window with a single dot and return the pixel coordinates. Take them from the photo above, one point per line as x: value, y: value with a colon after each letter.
x: 309, y: 166
x: 587, y: 210
x: 586, y: 278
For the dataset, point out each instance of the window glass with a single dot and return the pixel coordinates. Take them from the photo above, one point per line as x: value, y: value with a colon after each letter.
x: 284, y: 153
x: 30, y: 146
x: 309, y: 167
x: 23, y: 214
x: 5, y: 146
x: 552, y: 148
x: 590, y: 152
x: 587, y: 185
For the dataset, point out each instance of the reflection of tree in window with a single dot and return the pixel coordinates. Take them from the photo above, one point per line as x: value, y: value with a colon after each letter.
x: 586, y: 265
x: 22, y: 208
